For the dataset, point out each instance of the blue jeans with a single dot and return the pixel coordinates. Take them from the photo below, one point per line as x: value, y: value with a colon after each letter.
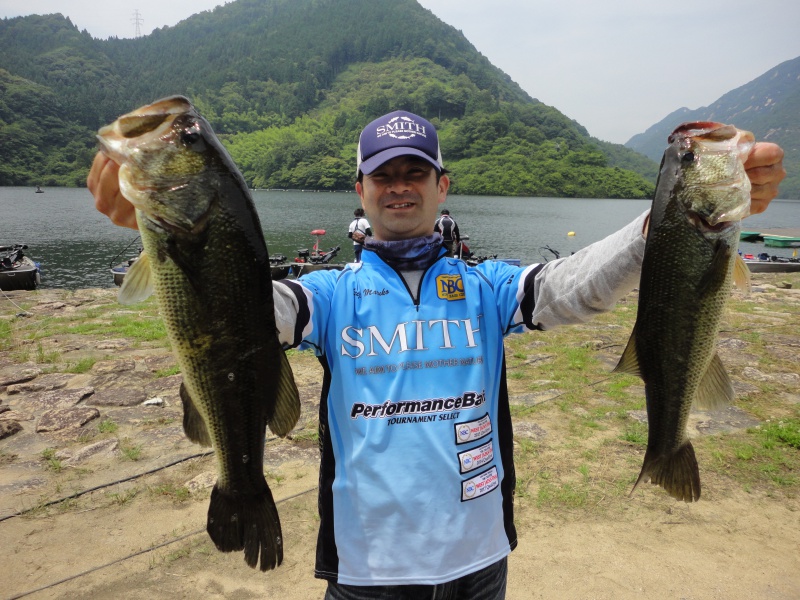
x: 357, y: 249
x: 486, y: 584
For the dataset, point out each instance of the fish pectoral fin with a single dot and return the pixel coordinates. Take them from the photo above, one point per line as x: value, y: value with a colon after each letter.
x: 193, y: 424
x: 717, y: 270
x: 287, y: 401
x: 629, y: 361
x: 741, y: 275
x: 138, y: 283
x: 715, y: 389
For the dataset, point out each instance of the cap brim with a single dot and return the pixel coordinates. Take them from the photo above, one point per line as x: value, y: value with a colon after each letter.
x: 373, y: 162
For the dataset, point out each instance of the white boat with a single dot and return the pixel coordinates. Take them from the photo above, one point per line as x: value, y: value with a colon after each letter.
x: 772, y: 264
x: 17, y: 271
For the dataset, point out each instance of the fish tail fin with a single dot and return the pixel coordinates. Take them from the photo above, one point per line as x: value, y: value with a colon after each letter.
x: 678, y: 473
x: 287, y: 404
x: 249, y: 523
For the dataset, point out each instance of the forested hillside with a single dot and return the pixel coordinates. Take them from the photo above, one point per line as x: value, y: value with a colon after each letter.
x: 769, y: 106
x: 287, y: 85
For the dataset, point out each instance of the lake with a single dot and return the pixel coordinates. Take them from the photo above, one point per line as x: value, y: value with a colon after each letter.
x: 76, y: 245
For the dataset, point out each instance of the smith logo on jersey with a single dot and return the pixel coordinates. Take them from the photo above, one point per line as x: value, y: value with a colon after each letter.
x: 450, y: 287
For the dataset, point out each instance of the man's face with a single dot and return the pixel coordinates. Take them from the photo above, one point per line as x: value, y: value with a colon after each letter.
x: 401, y: 198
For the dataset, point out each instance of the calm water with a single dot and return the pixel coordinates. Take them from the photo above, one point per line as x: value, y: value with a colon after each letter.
x: 76, y: 245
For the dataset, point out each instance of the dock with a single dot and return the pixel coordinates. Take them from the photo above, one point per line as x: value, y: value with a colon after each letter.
x: 782, y: 231
x: 779, y: 237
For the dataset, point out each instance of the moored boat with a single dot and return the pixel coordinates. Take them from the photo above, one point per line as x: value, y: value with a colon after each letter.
x: 781, y: 241
x: 749, y: 236
x: 316, y: 259
x: 763, y: 263
x: 279, y: 269
x: 298, y: 269
x: 17, y: 271
x: 119, y: 271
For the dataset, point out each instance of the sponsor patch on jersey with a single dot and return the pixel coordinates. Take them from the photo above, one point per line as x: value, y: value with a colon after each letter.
x: 469, y: 460
x: 450, y: 287
x: 480, y: 485
x: 469, y: 431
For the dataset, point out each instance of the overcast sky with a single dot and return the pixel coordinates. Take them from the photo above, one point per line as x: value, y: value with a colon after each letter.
x: 615, y: 66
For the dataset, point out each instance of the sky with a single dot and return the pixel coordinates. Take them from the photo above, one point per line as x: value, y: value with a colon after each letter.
x: 615, y: 66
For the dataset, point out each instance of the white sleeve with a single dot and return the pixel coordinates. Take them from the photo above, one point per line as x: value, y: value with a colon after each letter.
x: 291, y: 304
x: 575, y: 288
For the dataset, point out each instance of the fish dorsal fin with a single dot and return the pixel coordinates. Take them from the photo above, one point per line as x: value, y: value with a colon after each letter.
x: 741, y: 275
x: 629, y: 361
x: 287, y: 400
x: 715, y: 390
x: 138, y: 283
x: 193, y: 424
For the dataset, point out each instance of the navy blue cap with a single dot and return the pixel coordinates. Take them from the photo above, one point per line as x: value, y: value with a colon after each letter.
x: 399, y: 133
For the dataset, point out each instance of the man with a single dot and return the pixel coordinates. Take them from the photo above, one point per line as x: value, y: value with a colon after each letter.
x: 358, y: 231
x: 446, y: 225
x: 416, y: 473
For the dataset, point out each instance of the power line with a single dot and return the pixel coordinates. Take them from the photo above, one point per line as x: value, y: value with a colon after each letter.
x: 137, y: 20
x: 139, y: 553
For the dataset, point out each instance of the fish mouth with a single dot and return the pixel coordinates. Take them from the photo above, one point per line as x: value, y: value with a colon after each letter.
x: 186, y: 228
x: 706, y: 130
x: 716, y: 195
x: 119, y: 140
x: 704, y: 223
x: 155, y: 174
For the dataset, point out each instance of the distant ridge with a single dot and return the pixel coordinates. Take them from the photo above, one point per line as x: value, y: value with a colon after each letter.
x: 769, y: 106
x: 287, y: 85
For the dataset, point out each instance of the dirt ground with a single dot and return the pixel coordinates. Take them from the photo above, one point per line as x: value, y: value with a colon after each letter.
x: 144, y: 538
x: 730, y: 546
x: 735, y: 547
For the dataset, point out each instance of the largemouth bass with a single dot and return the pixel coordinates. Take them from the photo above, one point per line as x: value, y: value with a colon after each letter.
x: 689, y: 263
x: 206, y: 258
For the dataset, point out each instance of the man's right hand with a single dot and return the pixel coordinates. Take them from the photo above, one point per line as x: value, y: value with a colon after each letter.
x: 103, y: 183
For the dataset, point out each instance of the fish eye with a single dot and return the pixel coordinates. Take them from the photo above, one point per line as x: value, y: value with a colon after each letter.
x: 190, y: 137
x: 687, y: 158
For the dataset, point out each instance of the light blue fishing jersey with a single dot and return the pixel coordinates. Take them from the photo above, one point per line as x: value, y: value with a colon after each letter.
x: 417, y: 475
x: 413, y: 419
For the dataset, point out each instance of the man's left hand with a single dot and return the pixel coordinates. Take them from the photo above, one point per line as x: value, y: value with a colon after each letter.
x: 765, y: 169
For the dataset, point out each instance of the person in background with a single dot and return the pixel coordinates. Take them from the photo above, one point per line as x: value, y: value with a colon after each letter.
x: 359, y: 230
x: 416, y: 491
x: 446, y: 225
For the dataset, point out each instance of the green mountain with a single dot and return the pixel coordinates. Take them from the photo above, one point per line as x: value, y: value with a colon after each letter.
x: 288, y: 85
x: 769, y: 106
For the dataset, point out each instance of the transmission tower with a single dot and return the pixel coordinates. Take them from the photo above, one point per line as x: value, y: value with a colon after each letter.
x: 137, y: 20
